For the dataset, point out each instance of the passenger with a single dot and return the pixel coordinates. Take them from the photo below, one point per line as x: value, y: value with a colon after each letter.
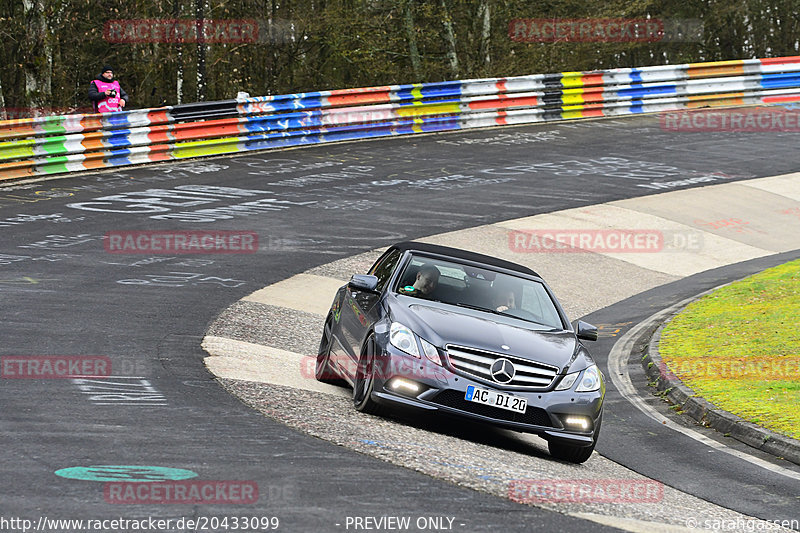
x: 425, y: 284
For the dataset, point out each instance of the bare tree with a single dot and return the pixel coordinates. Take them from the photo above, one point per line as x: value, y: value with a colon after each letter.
x: 411, y: 36
x: 450, y: 39
x: 176, y: 11
x: 3, y: 114
x: 39, y: 63
x: 484, y: 17
x: 201, y: 8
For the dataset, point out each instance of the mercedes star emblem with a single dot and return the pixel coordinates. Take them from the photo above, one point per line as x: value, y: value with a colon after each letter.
x: 503, y: 371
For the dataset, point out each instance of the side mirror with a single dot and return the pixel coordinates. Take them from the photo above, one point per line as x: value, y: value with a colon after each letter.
x: 363, y: 282
x: 585, y: 331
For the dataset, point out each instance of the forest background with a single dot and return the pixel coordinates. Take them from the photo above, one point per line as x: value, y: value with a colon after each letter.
x: 50, y: 50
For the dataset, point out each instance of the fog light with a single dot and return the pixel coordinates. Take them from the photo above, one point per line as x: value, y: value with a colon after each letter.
x: 404, y: 385
x: 578, y: 422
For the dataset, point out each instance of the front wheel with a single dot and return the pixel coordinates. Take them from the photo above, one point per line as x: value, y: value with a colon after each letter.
x: 365, y: 380
x: 570, y: 452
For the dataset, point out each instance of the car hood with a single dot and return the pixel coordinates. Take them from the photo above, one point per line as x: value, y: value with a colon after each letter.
x: 445, y: 324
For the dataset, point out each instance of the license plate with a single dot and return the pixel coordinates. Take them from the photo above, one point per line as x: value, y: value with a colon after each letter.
x: 496, y: 399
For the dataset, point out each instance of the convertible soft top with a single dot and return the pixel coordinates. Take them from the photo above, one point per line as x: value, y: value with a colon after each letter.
x: 463, y: 254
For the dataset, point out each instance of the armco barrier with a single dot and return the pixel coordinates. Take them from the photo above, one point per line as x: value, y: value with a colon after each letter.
x: 69, y: 143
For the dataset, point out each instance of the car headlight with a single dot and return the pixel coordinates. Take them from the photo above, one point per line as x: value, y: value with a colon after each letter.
x: 403, y: 339
x: 568, y: 381
x: 591, y: 380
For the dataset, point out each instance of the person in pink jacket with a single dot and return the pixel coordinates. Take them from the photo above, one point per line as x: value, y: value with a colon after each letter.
x: 106, y: 94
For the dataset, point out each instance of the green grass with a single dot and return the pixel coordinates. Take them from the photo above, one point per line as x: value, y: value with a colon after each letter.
x: 739, y: 347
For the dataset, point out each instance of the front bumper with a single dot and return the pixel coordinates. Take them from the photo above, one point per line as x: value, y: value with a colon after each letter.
x: 444, y: 391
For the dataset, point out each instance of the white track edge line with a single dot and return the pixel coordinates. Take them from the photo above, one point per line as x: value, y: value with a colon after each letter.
x: 617, y: 366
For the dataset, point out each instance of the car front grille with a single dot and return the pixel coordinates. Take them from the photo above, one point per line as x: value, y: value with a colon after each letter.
x: 533, y: 415
x: 478, y: 363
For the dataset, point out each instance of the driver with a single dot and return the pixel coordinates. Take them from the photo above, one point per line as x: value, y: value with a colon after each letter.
x: 425, y: 284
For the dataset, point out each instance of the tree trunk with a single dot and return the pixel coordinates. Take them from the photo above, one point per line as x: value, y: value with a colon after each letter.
x: 200, y: 10
x: 450, y: 39
x: 39, y: 64
x: 3, y: 114
x: 484, y: 17
x: 411, y: 34
x: 273, y: 68
x: 176, y: 12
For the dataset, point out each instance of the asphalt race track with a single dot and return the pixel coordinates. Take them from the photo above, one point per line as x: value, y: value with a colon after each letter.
x: 63, y: 294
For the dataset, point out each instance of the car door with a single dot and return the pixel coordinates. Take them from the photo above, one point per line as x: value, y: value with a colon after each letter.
x: 361, y: 309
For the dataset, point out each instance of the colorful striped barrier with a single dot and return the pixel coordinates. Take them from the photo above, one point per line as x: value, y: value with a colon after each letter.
x: 70, y: 143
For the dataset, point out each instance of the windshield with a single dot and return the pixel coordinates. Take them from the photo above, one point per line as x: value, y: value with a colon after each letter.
x: 478, y: 288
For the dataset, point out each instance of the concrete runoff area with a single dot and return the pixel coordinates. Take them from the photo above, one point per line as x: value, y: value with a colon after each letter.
x: 710, y: 227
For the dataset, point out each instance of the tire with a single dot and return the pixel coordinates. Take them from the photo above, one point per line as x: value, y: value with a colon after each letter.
x: 572, y: 453
x: 323, y: 372
x: 365, y: 380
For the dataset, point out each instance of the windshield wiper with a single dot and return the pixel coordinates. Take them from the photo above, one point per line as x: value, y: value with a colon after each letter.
x: 501, y: 313
x: 479, y: 308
